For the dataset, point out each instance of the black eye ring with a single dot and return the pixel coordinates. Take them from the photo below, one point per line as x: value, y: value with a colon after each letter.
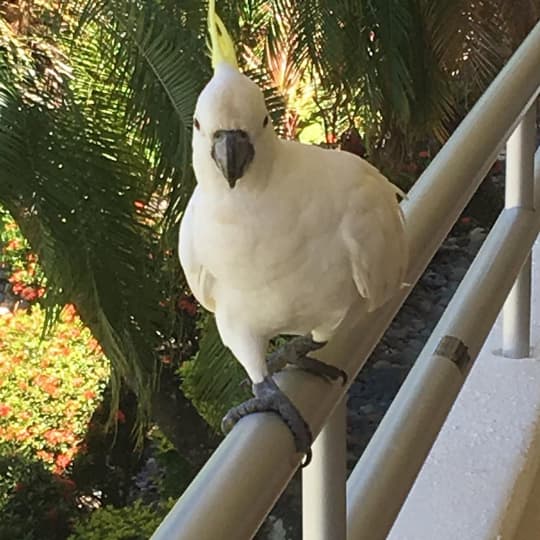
x: 265, y: 121
x: 196, y: 124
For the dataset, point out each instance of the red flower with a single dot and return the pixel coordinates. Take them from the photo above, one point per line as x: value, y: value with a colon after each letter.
x: 47, y: 383
x: 17, y: 287
x: 423, y: 154
x: 13, y: 244
x: 50, y: 388
x: 53, y: 436
x: 5, y: 410
x: 29, y: 294
x: 188, y: 306
x: 69, y: 313
x: 331, y: 138
x: 120, y: 416
x: 62, y: 461
x: 44, y: 456
x: 139, y: 204
x: 23, y: 434
x: 17, y: 359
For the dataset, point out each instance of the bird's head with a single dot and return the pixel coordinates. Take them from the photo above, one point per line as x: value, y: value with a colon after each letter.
x: 232, y: 130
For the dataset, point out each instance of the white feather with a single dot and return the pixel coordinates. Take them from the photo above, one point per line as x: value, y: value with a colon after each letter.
x: 302, y: 234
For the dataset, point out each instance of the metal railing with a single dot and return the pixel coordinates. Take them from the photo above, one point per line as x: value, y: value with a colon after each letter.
x: 239, y: 484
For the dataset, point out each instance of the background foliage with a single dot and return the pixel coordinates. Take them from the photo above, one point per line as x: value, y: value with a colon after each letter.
x: 96, y: 101
x: 96, y: 104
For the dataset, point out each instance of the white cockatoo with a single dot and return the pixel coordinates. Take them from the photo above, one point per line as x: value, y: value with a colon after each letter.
x: 280, y: 237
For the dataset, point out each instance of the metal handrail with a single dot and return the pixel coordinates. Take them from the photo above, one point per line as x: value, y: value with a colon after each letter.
x: 382, y: 478
x: 239, y: 484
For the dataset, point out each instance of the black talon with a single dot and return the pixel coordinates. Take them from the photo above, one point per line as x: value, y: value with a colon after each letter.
x: 269, y: 398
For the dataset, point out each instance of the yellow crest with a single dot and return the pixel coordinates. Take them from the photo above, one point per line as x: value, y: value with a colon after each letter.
x: 221, y: 43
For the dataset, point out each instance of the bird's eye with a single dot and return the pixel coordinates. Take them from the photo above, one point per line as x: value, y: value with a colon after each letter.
x: 265, y: 121
x: 196, y: 124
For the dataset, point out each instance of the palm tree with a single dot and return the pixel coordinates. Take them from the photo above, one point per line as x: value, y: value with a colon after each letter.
x: 96, y: 104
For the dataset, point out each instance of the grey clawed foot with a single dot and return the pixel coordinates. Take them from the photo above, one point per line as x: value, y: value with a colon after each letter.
x: 269, y: 398
x: 296, y: 352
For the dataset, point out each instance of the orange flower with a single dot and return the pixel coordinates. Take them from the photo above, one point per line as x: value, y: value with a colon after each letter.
x: 53, y: 436
x: 62, y: 461
x: 16, y: 276
x: 17, y: 287
x: 45, y: 456
x: 47, y: 383
x: 29, y: 294
x: 5, y: 410
x: 331, y: 138
x: 23, y: 434
x: 89, y: 394
x: 13, y: 244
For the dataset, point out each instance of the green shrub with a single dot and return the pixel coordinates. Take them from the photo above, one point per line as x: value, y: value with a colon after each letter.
x: 134, y: 522
x: 35, y: 504
x: 48, y: 388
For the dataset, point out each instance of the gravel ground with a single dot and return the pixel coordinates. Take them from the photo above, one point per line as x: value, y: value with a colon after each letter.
x: 380, y: 379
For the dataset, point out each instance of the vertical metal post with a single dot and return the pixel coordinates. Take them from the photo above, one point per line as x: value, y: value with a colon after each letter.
x: 520, y: 150
x: 324, y: 514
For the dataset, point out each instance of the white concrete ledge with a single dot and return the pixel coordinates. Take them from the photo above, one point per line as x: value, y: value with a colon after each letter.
x: 481, y: 480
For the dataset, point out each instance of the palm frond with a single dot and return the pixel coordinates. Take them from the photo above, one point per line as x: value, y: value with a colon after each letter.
x: 153, y: 53
x: 212, y: 380
x: 72, y: 181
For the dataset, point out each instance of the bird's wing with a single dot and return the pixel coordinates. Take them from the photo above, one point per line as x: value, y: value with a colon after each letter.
x: 374, y: 234
x: 200, y: 281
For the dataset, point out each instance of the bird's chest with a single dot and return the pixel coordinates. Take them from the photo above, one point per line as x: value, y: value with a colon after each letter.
x: 245, y: 245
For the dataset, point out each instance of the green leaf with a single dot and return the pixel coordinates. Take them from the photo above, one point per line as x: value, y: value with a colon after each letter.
x: 213, y: 379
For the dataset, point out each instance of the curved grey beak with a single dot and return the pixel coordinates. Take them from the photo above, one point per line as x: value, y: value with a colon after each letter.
x: 233, y: 152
